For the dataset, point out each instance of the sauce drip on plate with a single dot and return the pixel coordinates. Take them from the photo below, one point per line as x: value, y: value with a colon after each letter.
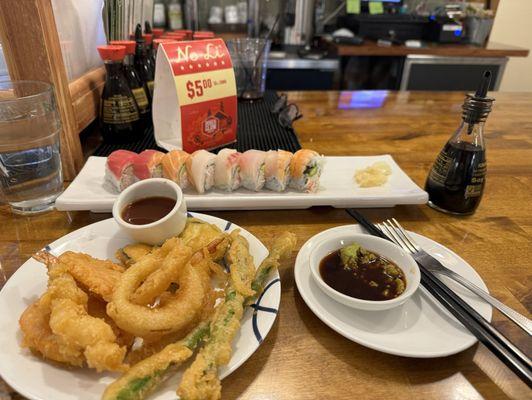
x: 147, y: 210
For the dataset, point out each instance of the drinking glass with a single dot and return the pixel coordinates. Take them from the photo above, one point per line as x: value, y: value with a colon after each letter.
x: 249, y: 57
x: 30, y: 162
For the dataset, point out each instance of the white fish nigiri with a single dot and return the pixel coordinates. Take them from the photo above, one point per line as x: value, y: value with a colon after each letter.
x: 227, y: 170
x: 252, y: 169
x: 200, y: 170
x: 277, y: 169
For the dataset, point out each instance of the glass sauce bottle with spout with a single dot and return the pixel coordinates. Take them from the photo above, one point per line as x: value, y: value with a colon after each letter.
x: 456, y: 181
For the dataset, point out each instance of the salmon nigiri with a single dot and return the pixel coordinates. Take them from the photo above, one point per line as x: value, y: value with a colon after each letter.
x: 174, y: 167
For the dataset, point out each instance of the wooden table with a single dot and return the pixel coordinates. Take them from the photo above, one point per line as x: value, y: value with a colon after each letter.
x: 491, y: 49
x: 304, y: 359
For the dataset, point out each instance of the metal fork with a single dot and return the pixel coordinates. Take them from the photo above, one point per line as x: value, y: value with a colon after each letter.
x: 395, y: 232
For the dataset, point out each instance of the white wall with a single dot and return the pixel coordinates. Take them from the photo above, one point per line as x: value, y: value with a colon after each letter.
x: 513, y: 27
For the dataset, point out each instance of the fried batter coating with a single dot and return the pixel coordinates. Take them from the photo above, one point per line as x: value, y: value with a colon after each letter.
x: 143, y: 377
x: 38, y: 336
x: 198, y: 234
x: 131, y: 253
x: 169, y: 271
x: 241, y: 268
x: 200, y: 381
x: 173, y: 316
x: 59, y: 327
x: 91, y: 336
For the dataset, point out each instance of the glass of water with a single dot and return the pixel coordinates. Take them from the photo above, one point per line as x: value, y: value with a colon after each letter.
x: 249, y: 57
x: 30, y: 162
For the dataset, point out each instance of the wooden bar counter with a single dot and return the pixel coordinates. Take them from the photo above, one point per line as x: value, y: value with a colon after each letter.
x: 302, y: 358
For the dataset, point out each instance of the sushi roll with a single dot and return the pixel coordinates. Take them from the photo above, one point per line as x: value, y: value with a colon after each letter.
x: 174, y: 167
x: 227, y: 170
x: 252, y: 169
x: 305, y: 171
x: 277, y: 169
x: 200, y: 170
x: 148, y: 165
x: 119, y: 169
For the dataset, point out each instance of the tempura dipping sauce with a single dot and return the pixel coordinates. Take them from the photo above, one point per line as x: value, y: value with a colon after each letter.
x: 359, y: 273
x: 147, y: 210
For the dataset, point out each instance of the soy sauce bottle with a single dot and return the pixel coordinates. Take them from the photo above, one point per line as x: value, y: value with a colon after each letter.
x: 119, y: 114
x: 138, y: 88
x: 143, y: 62
x: 456, y: 181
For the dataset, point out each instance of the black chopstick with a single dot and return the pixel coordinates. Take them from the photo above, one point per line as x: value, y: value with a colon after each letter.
x: 501, y: 346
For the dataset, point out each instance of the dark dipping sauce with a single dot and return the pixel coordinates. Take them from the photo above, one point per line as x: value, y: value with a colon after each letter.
x: 147, y: 210
x: 368, y: 281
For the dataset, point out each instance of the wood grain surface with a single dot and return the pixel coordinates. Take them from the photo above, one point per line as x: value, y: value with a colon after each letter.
x: 302, y: 358
x: 491, y: 49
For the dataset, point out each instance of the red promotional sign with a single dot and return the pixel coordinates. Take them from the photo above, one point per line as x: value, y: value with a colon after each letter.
x: 203, y: 81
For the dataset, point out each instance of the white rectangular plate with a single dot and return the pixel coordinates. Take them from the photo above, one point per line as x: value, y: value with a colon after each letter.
x: 337, y: 189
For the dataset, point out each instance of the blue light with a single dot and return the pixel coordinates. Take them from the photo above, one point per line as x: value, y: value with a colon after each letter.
x: 362, y: 99
x: 458, y: 32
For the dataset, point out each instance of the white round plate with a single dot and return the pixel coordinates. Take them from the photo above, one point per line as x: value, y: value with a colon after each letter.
x: 38, y: 380
x: 419, y: 328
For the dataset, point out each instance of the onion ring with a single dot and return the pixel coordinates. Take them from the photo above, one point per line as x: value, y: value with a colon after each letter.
x: 174, y: 315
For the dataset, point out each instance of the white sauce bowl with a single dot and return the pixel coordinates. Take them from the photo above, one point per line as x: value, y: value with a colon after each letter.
x: 384, y: 248
x: 156, y: 232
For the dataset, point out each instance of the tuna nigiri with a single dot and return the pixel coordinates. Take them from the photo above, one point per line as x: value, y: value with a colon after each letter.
x: 148, y: 165
x: 119, y: 169
x: 227, y: 170
x: 174, y: 167
x: 305, y: 171
x: 277, y: 169
x: 252, y: 169
x: 200, y: 169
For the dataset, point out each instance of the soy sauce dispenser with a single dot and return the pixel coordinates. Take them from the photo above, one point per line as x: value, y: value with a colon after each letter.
x: 456, y: 181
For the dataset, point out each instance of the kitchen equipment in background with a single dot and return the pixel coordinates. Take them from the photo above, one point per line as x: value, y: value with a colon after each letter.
x: 250, y: 57
x: 191, y: 14
x: 231, y: 14
x: 477, y: 30
x: 175, y: 15
x: 30, y: 162
x: 461, y: 73
x: 216, y: 15
x: 159, y: 14
x: 242, y: 7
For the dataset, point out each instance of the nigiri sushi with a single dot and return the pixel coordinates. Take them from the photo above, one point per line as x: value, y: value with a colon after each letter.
x: 277, y: 169
x: 227, y: 170
x: 252, y: 169
x: 200, y: 170
x: 305, y: 171
x: 119, y: 169
x: 148, y: 165
x: 174, y: 167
